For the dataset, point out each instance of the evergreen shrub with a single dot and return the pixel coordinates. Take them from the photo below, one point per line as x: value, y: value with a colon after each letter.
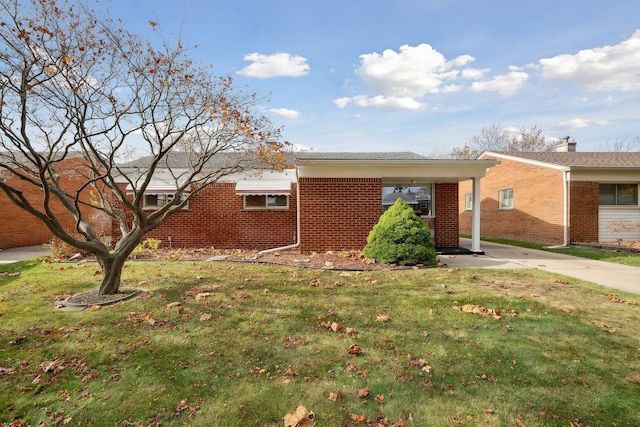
x: 401, y: 237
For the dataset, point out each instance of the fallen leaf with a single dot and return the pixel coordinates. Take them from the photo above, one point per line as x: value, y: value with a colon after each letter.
x: 382, y: 318
x: 600, y: 324
x: 354, y: 349
x: 379, y: 398
x: 95, y: 308
x: 478, y: 309
x: 300, y: 418
x: 363, y: 392
x: 174, y: 304
x: 204, y: 317
x: 634, y: 378
x: 334, y: 397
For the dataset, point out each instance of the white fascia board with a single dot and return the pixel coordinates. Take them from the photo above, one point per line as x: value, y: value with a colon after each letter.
x: 527, y: 161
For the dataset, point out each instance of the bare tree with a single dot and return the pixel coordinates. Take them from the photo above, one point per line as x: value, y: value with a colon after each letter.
x: 75, y: 86
x: 497, y: 138
x: 623, y: 144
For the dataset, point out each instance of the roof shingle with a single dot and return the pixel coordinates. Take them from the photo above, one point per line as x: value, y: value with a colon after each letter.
x: 584, y: 160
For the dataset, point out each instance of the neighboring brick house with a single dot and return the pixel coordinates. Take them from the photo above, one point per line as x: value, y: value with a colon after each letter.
x: 327, y: 201
x: 22, y: 229
x: 557, y: 198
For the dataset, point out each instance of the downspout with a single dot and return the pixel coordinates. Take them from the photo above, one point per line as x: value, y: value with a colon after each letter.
x: 297, y: 239
x: 565, y: 195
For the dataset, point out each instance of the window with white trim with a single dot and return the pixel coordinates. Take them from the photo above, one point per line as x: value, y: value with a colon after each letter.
x: 505, y: 199
x: 618, y: 195
x: 156, y: 201
x: 468, y: 201
x: 266, y: 201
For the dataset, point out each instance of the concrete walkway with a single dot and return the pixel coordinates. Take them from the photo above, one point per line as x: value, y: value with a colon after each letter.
x: 498, y: 256
x: 8, y: 256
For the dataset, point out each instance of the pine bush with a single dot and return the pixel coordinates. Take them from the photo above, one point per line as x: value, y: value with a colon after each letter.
x: 401, y: 237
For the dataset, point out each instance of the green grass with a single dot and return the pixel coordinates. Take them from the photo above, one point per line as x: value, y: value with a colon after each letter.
x: 619, y: 257
x: 249, y: 343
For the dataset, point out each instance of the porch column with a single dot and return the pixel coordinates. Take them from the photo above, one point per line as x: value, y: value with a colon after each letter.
x: 475, y: 216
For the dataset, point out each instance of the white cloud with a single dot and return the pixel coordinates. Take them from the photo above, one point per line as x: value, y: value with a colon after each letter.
x: 608, y: 68
x: 382, y: 102
x: 399, y: 79
x: 285, y: 113
x: 506, y: 84
x: 277, y: 65
x: 578, y: 123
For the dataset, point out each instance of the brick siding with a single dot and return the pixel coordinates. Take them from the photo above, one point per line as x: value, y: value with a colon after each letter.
x: 216, y: 218
x: 20, y: 228
x: 584, y: 211
x: 338, y: 213
x: 446, y: 215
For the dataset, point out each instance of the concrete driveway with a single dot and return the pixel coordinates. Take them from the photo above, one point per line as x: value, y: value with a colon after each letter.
x: 8, y: 256
x: 498, y: 256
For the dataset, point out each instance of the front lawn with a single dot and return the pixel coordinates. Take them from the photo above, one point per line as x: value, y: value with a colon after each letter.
x: 235, y: 344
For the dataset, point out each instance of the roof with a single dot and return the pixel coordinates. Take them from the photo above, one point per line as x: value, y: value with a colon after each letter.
x: 337, y: 156
x: 590, y: 160
x: 181, y: 159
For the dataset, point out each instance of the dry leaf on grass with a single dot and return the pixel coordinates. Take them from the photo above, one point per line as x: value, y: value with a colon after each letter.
x: 634, y: 378
x: 363, y: 392
x: 478, y: 309
x: 614, y: 298
x: 354, y: 349
x: 382, y: 318
x: 300, y: 418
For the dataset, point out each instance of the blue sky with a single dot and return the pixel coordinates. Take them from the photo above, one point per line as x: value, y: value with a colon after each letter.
x: 422, y: 76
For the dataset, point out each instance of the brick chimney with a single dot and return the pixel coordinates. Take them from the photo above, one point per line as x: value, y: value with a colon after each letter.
x: 565, y: 146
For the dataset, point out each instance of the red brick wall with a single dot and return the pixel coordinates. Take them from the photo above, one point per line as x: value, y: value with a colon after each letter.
x: 583, y: 214
x: 20, y: 228
x: 338, y: 213
x: 538, y: 214
x: 216, y: 217
x: 446, y: 214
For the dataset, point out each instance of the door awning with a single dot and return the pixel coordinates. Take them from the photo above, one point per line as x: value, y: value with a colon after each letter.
x: 262, y: 187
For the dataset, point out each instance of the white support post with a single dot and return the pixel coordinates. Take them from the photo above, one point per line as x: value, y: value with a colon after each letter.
x: 475, y: 216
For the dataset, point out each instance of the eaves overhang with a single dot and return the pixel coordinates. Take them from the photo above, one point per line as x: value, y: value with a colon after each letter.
x: 436, y: 170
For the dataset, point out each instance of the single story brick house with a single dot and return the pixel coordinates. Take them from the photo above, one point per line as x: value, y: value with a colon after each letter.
x: 557, y: 198
x: 325, y: 201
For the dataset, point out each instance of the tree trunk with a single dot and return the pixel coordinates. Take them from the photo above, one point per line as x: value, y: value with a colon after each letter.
x: 111, y: 272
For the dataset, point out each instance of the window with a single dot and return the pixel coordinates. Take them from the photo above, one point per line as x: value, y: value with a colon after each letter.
x: 505, y: 199
x: 266, y: 201
x: 468, y: 201
x: 619, y: 194
x: 418, y: 196
x: 156, y: 201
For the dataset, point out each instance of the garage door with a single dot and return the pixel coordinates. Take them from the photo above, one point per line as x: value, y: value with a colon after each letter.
x: 619, y: 223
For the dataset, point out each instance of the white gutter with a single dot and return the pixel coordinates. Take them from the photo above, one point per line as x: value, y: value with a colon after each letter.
x: 297, y: 243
